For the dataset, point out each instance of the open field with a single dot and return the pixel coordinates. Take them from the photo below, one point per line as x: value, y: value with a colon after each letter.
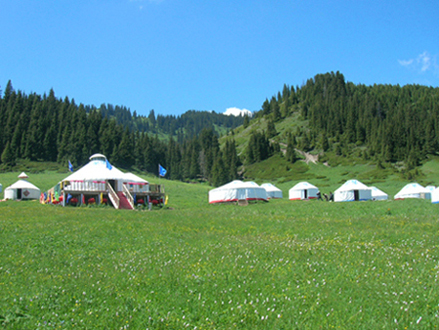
x: 276, y: 265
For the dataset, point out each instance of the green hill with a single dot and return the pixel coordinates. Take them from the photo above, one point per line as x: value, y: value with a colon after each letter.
x: 373, y: 133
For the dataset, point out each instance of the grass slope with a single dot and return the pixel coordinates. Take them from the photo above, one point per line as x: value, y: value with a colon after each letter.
x: 276, y: 265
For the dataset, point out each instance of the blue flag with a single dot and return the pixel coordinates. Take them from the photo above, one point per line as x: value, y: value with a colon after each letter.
x: 108, y: 165
x: 162, y: 170
x: 70, y: 167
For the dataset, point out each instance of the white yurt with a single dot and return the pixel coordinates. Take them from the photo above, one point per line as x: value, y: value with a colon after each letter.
x: 352, y: 190
x: 92, y: 176
x: 22, y: 190
x: 378, y: 195
x: 237, y: 190
x: 430, y: 189
x: 272, y: 190
x: 435, y: 196
x: 412, y: 190
x: 303, y: 190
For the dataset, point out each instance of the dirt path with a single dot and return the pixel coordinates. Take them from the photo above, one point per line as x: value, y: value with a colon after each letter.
x: 308, y: 157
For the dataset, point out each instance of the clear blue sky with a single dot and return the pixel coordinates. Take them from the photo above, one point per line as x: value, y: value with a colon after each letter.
x: 177, y: 55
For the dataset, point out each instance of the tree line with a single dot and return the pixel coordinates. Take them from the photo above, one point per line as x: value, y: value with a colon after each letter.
x: 45, y: 128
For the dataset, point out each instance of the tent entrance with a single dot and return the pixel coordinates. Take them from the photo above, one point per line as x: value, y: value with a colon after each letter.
x: 305, y: 194
x: 356, y: 195
x: 113, y: 184
x: 19, y: 194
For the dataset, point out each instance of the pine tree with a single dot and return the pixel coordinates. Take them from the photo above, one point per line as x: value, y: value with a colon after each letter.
x: 271, y: 129
x: 291, y: 152
x: 8, y: 156
x: 219, y: 174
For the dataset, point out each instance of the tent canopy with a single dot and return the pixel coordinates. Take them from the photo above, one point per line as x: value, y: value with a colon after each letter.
x: 378, y: 195
x: 272, y: 190
x: 22, y: 189
x: 96, y: 172
x: 435, y: 196
x: 352, y: 190
x: 237, y: 190
x: 412, y: 190
x: 99, y: 169
x: 303, y: 190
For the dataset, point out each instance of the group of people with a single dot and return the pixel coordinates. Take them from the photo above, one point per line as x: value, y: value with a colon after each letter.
x: 328, y: 198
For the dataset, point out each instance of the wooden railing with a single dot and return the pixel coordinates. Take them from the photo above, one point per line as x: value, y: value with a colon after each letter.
x: 113, y: 196
x: 128, y: 196
x: 156, y: 188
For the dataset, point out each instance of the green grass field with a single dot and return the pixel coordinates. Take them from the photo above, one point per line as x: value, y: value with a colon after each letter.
x: 276, y: 265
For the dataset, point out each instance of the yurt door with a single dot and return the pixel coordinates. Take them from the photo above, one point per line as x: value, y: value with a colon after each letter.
x: 356, y: 195
x: 18, y: 193
x: 306, y: 194
x: 113, y: 184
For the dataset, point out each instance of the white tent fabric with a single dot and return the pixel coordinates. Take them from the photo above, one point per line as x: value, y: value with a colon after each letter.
x: 430, y: 189
x: 378, y: 195
x: 272, y: 190
x: 435, y: 196
x: 22, y: 189
x: 23, y: 176
x: 352, y: 190
x: 237, y: 190
x: 412, y: 190
x: 303, y: 190
x: 92, y: 176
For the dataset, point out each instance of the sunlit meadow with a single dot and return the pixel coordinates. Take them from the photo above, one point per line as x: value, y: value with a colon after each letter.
x: 276, y: 265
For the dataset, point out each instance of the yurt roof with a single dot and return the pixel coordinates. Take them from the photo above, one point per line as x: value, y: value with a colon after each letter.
x: 98, y: 169
x: 23, y: 176
x: 353, y: 185
x: 270, y: 187
x: 130, y: 177
x: 22, y: 184
x: 413, y: 188
x: 236, y: 184
x: 304, y: 185
x: 377, y: 192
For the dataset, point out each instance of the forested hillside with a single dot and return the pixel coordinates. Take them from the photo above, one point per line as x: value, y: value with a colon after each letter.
x: 383, y: 123
x: 44, y: 128
x: 326, y: 116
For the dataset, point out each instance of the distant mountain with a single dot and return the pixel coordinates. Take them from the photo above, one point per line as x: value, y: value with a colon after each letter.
x: 184, y: 126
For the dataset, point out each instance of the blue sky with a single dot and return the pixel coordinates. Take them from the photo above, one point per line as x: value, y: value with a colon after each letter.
x: 177, y: 55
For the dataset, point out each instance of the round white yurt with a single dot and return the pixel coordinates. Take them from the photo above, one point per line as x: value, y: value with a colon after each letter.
x: 303, y: 190
x: 22, y: 190
x: 378, y: 195
x: 93, y: 176
x: 431, y: 189
x: 272, y: 190
x: 412, y: 190
x: 352, y: 190
x: 435, y: 196
x: 236, y: 191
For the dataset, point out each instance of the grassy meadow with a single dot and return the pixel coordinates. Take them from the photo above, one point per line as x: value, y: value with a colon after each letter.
x: 276, y: 265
